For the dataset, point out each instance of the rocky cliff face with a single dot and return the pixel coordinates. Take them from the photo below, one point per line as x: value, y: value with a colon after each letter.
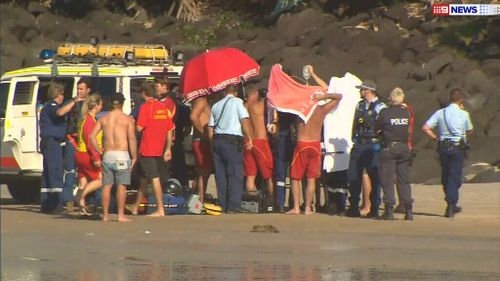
x: 391, y: 46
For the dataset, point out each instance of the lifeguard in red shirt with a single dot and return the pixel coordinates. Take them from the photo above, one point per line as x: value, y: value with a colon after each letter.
x: 161, y: 89
x: 156, y: 142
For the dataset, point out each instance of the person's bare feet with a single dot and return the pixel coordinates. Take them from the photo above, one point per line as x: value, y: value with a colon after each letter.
x: 156, y: 214
x: 84, y: 211
x: 123, y: 219
x: 78, y: 197
x: 105, y: 218
x: 293, y: 212
x: 308, y: 211
x: 82, y: 203
x: 364, y: 212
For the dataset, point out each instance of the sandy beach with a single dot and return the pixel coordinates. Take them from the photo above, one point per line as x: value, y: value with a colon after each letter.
x: 317, y: 247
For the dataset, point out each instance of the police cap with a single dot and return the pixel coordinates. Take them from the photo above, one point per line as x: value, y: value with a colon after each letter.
x: 368, y: 85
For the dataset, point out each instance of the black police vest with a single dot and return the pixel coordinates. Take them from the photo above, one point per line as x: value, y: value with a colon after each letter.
x: 395, y: 123
x: 364, y: 121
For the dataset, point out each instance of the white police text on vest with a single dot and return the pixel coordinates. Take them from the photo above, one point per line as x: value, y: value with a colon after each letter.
x: 399, y: 121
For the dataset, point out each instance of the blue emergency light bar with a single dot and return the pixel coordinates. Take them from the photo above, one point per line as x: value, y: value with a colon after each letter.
x: 47, y: 54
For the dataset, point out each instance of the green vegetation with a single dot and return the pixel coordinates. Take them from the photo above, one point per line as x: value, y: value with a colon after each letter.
x: 464, y: 37
x: 207, y: 37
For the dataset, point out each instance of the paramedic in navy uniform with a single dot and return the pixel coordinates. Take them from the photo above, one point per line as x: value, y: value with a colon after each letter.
x: 393, y: 125
x: 52, y: 133
x: 453, y: 124
x: 366, y: 149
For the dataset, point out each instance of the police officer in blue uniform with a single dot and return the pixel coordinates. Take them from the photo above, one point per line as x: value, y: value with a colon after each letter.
x: 366, y: 149
x: 394, y: 126
x: 453, y: 125
x: 53, y: 128
x: 229, y: 121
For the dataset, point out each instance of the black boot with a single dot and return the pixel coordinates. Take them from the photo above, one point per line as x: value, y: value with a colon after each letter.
x: 450, y: 211
x: 340, y: 199
x: 388, y: 214
x: 408, y: 213
x: 400, y: 209
x: 374, y: 213
x: 353, y: 212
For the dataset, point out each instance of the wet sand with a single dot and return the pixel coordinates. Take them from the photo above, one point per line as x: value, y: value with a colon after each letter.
x: 318, y: 247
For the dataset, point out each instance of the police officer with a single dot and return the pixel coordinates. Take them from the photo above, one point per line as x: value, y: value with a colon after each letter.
x: 365, y: 152
x: 453, y: 124
x: 393, y: 125
x: 229, y: 120
x: 53, y: 128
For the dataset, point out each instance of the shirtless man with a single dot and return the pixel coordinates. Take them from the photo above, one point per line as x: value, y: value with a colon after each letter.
x: 307, y: 155
x: 260, y: 156
x: 200, y: 114
x: 120, y: 154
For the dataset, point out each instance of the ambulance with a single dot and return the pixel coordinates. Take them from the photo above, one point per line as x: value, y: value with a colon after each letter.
x: 23, y: 92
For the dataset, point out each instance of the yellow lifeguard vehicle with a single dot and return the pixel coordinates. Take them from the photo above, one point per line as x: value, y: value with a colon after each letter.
x: 111, y: 67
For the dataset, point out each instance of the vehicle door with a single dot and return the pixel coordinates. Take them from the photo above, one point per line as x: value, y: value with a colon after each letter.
x: 21, y: 115
x: 7, y: 162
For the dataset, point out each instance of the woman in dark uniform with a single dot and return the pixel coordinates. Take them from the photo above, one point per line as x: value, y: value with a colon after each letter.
x: 52, y: 134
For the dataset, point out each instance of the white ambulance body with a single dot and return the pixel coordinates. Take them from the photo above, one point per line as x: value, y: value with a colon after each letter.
x: 23, y: 93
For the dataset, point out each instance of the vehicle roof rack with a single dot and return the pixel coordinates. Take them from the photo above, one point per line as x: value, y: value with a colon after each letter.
x: 113, y: 53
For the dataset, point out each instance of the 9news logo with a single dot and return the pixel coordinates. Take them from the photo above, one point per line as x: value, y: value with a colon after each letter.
x: 441, y: 9
x: 465, y: 10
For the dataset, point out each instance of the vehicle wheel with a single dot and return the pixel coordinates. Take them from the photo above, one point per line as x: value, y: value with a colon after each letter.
x: 25, y: 192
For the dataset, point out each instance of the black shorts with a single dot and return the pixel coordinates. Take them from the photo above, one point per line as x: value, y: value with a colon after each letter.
x: 153, y: 167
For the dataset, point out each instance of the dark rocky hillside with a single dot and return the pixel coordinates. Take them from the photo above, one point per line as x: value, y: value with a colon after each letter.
x: 398, y: 44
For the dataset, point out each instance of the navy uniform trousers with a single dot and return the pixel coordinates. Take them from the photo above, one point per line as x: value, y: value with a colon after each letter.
x: 228, y: 160
x: 52, y: 175
x: 395, y: 160
x: 364, y: 156
x: 69, y: 166
x: 284, y: 150
x: 452, y: 162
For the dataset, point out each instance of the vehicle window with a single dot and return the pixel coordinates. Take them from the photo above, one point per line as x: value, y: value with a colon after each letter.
x: 104, y: 86
x: 23, y: 93
x: 173, y: 85
x: 135, y: 89
x: 43, y: 87
x: 4, y: 93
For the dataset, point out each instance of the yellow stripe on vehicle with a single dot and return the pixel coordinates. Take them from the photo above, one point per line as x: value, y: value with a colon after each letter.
x: 28, y: 70
x: 61, y: 70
